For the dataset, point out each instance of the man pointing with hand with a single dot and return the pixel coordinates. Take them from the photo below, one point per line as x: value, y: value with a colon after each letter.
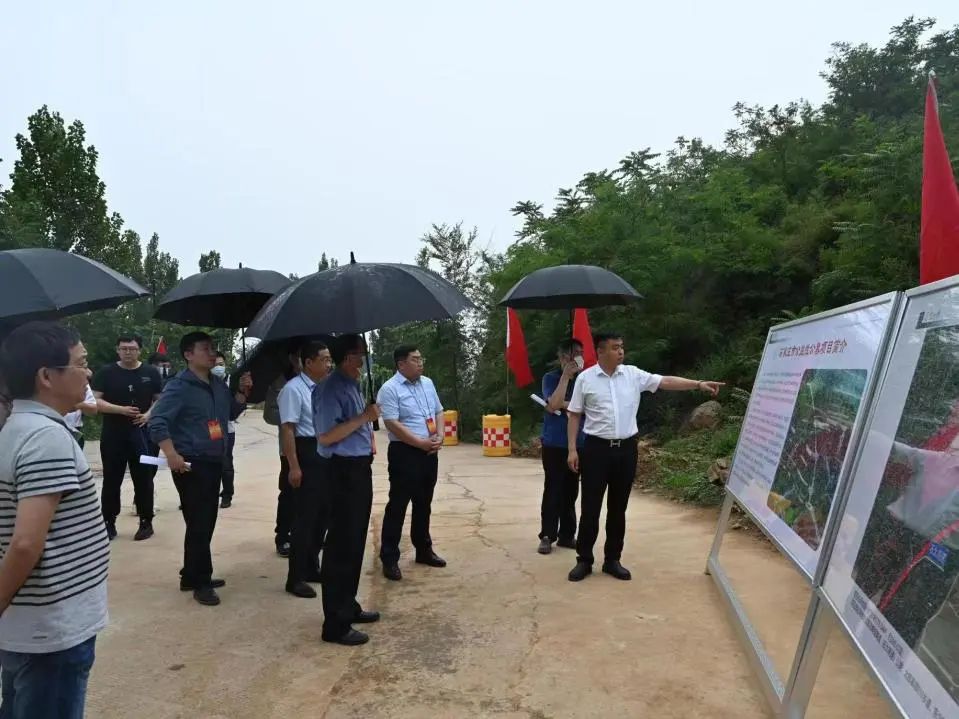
x: 608, y: 394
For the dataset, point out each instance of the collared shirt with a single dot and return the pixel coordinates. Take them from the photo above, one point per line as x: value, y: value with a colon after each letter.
x: 554, y: 426
x: 296, y: 405
x: 610, y: 402
x: 337, y: 400
x: 409, y: 403
x: 74, y: 419
x: 63, y: 601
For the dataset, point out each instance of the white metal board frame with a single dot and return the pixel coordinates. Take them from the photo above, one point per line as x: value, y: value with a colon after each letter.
x: 905, y: 680
x: 773, y: 687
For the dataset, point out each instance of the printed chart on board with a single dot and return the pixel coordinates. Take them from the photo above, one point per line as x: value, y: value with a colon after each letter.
x: 805, y: 402
x: 893, y: 575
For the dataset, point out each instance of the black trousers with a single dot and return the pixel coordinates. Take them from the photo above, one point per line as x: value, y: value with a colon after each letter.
x: 412, y: 479
x: 119, y: 450
x: 199, y: 502
x: 602, y: 466
x: 228, y: 473
x: 351, y: 500
x: 560, y: 489
x: 284, y: 504
x: 310, y: 512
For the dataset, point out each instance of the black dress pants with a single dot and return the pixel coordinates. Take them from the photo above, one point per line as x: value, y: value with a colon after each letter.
x: 309, y: 513
x: 284, y: 504
x: 199, y: 502
x: 412, y: 480
x: 603, y: 466
x: 351, y: 500
x: 118, y: 450
x: 560, y: 490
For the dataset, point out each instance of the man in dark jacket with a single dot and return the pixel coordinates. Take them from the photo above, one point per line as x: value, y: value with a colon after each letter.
x: 189, y: 423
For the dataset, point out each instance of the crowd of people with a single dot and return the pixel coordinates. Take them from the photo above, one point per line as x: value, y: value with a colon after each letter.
x: 55, y: 534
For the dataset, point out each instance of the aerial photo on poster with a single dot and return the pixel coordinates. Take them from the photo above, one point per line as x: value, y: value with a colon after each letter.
x: 816, y: 442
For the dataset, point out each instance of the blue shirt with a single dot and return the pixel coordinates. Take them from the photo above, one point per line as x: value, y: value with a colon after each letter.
x: 295, y: 403
x: 555, y: 426
x: 337, y: 400
x: 409, y: 403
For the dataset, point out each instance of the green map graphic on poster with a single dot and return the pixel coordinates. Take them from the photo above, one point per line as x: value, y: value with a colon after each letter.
x: 908, y: 562
x: 823, y: 416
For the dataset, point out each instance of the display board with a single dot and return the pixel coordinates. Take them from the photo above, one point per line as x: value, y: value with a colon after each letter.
x: 893, y: 573
x: 802, y: 414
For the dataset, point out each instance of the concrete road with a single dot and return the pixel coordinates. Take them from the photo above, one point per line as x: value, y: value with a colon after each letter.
x: 498, y: 633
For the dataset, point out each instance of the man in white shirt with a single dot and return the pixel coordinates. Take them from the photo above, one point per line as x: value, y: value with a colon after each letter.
x: 74, y: 419
x: 608, y: 394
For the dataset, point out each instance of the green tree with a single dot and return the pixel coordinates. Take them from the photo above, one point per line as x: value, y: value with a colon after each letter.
x: 210, y: 261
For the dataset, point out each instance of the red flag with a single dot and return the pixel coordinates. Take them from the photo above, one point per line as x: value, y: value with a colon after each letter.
x: 161, y: 347
x: 517, y: 358
x: 939, y: 236
x: 582, y: 333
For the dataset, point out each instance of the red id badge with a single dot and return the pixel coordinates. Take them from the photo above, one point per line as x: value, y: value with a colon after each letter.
x: 215, y: 430
x: 431, y: 426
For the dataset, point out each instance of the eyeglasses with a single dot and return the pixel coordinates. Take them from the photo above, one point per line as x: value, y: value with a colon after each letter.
x: 416, y: 360
x: 128, y: 349
x: 83, y: 366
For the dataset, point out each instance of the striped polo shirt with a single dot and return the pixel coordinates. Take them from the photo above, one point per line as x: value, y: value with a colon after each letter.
x: 64, y: 600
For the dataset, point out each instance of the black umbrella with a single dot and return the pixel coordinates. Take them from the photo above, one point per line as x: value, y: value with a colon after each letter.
x: 355, y: 298
x: 567, y: 287
x: 267, y: 361
x: 223, y: 297
x: 38, y: 283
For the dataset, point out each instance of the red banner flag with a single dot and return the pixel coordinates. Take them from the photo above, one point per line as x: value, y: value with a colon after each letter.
x: 161, y: 347
x: 939, y: 236
x: 517, y: 359
x: 582, y: 332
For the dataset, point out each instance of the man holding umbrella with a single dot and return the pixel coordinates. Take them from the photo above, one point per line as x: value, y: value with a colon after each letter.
x: 607, y: 395
x: 189, y: 423
x: 342, y: 421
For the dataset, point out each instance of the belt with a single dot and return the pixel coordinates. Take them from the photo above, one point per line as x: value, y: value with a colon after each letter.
x: 602, y: 442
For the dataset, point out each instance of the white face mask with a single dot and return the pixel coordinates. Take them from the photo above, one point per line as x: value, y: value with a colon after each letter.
x: 580, y: 362
x: 219, y: 370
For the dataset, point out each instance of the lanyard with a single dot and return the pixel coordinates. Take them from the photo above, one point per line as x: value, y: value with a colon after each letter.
x: 426, y: 414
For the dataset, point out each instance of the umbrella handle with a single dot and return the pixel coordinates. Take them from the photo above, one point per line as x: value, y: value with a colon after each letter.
x: 369, y: 379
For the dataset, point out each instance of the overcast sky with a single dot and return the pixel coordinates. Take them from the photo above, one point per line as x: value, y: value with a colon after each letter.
x: 274, y: 133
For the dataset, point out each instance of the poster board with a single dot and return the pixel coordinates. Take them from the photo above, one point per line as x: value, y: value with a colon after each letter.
x: 893, y: 572
x: 804, y: 414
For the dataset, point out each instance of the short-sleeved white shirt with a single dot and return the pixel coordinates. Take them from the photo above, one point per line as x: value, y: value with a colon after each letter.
x: 610, y: 402
x: 74, y: 419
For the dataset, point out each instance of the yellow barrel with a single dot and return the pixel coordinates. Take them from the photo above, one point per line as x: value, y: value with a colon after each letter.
x: 451, y: 434
x: 496, y: 442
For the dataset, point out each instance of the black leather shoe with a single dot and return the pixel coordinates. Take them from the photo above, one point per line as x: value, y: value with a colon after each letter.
x: 301, y: 589
x: 366, y: 617
x: 545, y: 546
x: 226, y: 503
x: 580, y: 571
x: 352, y: 638
x: 216, y: 583
x: 145, y: 531
x: 206, y: 596
x: 615, y: 569
x: 431, y: 560
x: 283, y: 549
x: 392, y: 572
x: 568, y: 543
x: 111, y: 531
